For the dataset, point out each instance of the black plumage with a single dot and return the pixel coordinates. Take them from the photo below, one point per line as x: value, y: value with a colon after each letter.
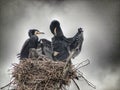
x: 76, y: 42
x: 59, y: 42
x: 31, y: 42
x: 63, y: 46
x: 46, y: 47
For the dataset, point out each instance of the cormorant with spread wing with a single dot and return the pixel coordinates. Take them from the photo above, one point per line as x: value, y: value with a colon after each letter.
x: 32, y: 42
x: 61, y: 45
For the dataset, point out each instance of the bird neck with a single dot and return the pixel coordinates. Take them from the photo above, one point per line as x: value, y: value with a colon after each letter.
x: 59, y: 32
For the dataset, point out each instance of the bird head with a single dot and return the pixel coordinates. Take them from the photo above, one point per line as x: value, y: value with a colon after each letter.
x: 34, y: 32
x: 55, y: 28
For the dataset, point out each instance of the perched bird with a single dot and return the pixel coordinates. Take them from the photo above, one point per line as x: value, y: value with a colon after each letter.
x: 63, y: 46
x: 31, y: 42
x: 59, y: 42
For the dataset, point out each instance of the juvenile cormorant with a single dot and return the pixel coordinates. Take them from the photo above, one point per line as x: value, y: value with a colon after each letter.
x: 61, y: 45
x: 46, y: 48
x: 31, y: 42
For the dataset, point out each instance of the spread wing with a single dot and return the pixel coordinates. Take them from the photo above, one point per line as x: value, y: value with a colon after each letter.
x: 76, y: 43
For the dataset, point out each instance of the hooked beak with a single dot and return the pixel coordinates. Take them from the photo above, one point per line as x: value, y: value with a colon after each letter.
x: 40, y: 32
x: 37, y: 33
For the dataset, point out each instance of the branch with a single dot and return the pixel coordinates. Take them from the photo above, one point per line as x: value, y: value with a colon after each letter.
x: 7, y: 85
x: 67, y: 67
x: 76, y: 84
x: 82, y: 64
x: 88, y: 82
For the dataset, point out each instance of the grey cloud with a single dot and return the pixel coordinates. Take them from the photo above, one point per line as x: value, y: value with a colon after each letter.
x: 99, y: 20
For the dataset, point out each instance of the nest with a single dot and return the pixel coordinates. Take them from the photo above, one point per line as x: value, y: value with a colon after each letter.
x: 41, y: 74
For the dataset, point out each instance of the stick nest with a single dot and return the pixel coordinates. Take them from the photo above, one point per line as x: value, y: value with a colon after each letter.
x: 40, y: 74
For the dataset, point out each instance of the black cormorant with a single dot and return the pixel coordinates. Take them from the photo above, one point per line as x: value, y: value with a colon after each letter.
x: 61, y: 45
x: 32, y: 42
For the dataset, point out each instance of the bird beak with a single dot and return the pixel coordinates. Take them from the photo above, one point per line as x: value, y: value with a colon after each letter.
x: 40, y: 33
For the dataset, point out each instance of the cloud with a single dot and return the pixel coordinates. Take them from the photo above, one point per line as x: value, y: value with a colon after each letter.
x: 99, y: 20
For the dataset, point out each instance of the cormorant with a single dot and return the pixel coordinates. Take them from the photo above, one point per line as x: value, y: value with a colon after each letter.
x: 31, y: 42
x: 45, y: 48
x: 61, y: 45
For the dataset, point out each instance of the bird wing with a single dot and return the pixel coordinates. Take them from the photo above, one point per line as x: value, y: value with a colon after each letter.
x: 46, y: 48
x: 46, y: 43
x: 77, y: 44
x: 29, y: 43
x: 25, y: 44
x: 23, y: 48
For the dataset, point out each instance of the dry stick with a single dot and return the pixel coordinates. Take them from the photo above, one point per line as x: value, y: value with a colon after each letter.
x: 36, y: 86
x: 82, y: 63
x: 78, y: 66
x: 76, y: 84
x: 64, y: 88
x: 11, y: 83
x: 67, y: 67
x: 88, y: 82
x: 46, y: 84
x: 6, y: 85
x: 80, y: 73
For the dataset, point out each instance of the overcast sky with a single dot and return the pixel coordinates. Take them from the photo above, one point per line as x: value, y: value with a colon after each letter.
x: 100, y: 21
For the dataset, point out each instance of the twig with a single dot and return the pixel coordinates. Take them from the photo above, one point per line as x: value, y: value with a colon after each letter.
x: 83, y: 64
x: 36, y: 86
x: 67, y: 67
x: 6, y: 85
x: 88, y: 82
x: 46, y: 84
x: 63, y: 88
x: 76, y: 84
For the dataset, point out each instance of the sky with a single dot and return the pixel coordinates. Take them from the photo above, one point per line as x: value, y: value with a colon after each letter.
x: 100, y: 22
